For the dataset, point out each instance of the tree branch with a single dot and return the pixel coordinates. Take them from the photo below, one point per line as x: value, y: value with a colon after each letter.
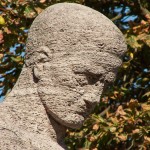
x: 5, y: 10
x: 143, y: 10
x: 120, y: 16
x: 116, y: 17
x: 105, y: 111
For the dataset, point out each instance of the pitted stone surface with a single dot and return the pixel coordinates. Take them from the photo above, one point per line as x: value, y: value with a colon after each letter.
x: 78, y: 50
x: 73, y: 52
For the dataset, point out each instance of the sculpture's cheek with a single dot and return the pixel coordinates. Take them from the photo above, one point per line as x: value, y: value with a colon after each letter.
x: 69, y: 106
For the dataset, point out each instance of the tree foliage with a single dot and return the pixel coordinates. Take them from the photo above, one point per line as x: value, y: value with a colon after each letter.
x: 122, y: 118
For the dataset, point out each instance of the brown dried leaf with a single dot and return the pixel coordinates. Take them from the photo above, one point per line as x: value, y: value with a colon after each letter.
x: 120, y: 111
x: 42, y: 1
x: 1, y: 37
x: 1, y: 56
x: 94, y: 149
x: 105, y: 99
x: 114, y: 120
x: 91, y: 138
x: 147, y: 139
x: 120, y: 130
x: 143, y: 22
x: 145, y: 107
x: 112, y: 129
x: 38, y: 10
x: 130, y: 121
x: 147, y: 16
x: 95, y: 127
x: 122, y: 137
x: 125, y: 117
x: 116, y: 93
x: 135, y: 131
x: 133, y: 103
x: 7, y: 30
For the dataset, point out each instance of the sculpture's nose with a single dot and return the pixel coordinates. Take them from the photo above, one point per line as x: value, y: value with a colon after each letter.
x: 90, y: 100
x: 85, y: 107
x: 90, y: 105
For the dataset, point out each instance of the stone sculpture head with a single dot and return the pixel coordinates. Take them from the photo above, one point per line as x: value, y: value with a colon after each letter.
x: 74, y: 52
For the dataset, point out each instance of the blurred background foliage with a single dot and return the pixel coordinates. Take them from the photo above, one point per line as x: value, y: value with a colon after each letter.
x: 122, y: 118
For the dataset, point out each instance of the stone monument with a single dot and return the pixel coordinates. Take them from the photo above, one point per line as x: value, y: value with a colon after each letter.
x: 73, y: 52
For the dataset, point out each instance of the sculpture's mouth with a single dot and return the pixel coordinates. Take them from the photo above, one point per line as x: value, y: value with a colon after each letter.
x: 85, y: 111
x: 84, y: 114
x: 76, y: 121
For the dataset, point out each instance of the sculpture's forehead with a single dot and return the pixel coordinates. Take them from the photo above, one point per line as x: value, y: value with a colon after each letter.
x: 85, y: 57
x: 74, y: 28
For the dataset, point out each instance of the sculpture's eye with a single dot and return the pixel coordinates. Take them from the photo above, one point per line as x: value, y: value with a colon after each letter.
x: 81, y: 79
x: 42, y: 57
x: 87, y: 75
x: 87, y: 79
x: 93, y: 78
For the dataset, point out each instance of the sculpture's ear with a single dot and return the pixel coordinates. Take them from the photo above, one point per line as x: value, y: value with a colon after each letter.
x: 37, y: 72
x: 41, y: 56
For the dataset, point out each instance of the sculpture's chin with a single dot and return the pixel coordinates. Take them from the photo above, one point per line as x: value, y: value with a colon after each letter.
x: 74, y: 121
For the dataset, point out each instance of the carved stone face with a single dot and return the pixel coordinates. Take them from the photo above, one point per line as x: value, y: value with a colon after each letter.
x: 71, y: 83
x: 74, y: 50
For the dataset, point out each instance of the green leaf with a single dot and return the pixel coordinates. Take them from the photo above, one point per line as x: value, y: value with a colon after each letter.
x: 29, y: 12
x: 133, y: 42
x: 2, y: 20
x: 125, y: 65
x: 112, y: 129
x: 146, y: 94
x: 17, y: 59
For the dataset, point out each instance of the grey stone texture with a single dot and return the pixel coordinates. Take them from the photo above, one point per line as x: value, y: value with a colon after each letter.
x: 73, y: 52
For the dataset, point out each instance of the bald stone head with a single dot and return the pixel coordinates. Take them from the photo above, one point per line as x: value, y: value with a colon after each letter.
x: 74, y: 52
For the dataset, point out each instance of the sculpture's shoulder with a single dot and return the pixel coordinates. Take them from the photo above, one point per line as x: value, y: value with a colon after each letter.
x: 12, y: 140
x: 24, y: 123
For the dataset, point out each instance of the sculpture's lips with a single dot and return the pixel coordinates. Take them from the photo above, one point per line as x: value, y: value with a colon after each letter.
x: 84, y: 112
x: 73, y: 120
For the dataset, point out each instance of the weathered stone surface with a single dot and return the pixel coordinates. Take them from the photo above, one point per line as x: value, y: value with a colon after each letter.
x: 72, y: 53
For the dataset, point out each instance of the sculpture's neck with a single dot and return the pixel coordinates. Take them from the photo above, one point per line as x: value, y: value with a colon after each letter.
x: 25, y: 85
x: 24, y: 99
